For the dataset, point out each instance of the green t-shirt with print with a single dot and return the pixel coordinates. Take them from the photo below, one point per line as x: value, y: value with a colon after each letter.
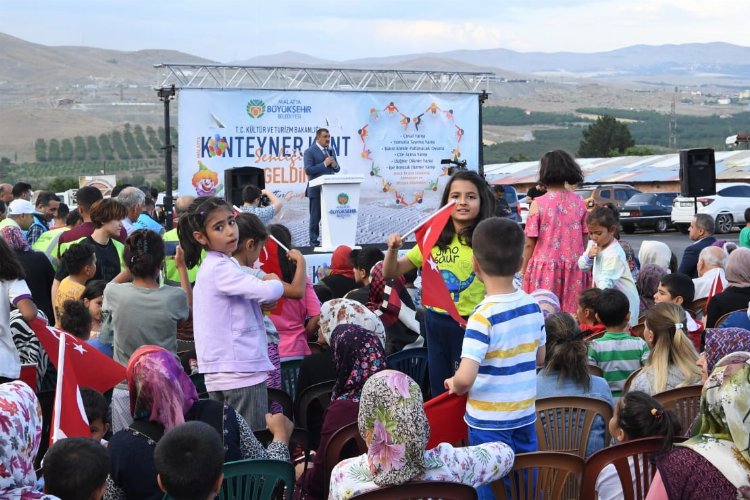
x: 455, y: 265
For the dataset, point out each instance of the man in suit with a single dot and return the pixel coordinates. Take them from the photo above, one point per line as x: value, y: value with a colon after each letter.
x: 701, y: 231
x: 319, y: 160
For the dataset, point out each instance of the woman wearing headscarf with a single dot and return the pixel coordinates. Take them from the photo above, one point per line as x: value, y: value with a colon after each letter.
x: 721, y: 342
x: 714, y: 463
x: 548, y: 302
x: 396, y: 311
x: 39, y: 271
x: 647, y: 282
x: 340, y: 279
x: 161, y: 398
x: 21, y: 424
x: 319, y: 367
x: 393, y: 423
x: 737, y: 294
x: 659, y: 253
x: 358, y: 354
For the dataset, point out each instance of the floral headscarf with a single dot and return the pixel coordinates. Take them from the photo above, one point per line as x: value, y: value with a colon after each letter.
x: 725, y: 414
x: 340, y: 263
x: 647, y: 282
x: 547, y: 300
x: 14, y: 237
x: 738, y: 268
x: 20, y: 434
x: 160, y: 391
x: 337, y: 312
x: 358, y: 354
x: 721, y: 342
x: 393, y: 423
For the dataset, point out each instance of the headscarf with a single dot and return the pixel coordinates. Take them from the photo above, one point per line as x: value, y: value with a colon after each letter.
x: 647, y: 282
x: 738, y: 268
x: 393, y: 423
x: 724, y: 432
x: 547, y: 300
x: 358, y: 354
x: 398, y: 308
x: 13, y: 235
x: 337, y: 312
x: 721, y: 342
x: 160, y: 391
x: 340, y: 263
x: 633, y: 263
x: 20, y: 434
x: 654, y: 252
x: 727, y: 246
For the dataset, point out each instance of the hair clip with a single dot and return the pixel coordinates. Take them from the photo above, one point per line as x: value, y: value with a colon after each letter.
x: 678, y: 326
x: 657, y: 413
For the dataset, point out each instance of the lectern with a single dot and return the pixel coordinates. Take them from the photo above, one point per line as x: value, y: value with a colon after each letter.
x: 339, y: 210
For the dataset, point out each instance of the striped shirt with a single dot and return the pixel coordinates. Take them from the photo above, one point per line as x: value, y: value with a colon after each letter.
x: 618, y: 355
x: 503, y: 336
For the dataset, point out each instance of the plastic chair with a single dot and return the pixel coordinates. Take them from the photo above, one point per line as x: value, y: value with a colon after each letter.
x: 542, y: 474
x: 445, y: 414
x: 635, y: 484
x: 629, y: 380
x: 340, y: 442
x: 564, y: 423
x: 685, y: 402
x: 199, y: 381
x: 736, y: 319
x: 257, y: 480
x: 300, y: 439
x: 412, y: 362
x: 289, y: 374
x: 421, y: 489
x: 310, y: 407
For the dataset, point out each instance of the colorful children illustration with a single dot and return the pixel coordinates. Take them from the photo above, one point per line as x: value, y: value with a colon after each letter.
x: 404, y: 121
x: 363, y: 132
x: 433, y: 108
x: 391, y: 108
x: 206, y: 181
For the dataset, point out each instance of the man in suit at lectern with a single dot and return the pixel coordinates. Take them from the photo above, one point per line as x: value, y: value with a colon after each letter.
x: 319, y: 160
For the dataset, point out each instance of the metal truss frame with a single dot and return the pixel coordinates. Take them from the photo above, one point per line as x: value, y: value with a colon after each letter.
x: 216, y: 76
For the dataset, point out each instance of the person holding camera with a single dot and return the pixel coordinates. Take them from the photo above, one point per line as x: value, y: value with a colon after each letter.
x: 260, y: 202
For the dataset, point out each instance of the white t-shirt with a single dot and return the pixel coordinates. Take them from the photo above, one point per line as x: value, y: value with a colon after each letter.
x: 15, y: 291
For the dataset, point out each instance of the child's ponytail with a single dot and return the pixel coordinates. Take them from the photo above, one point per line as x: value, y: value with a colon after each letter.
x: 284, y: 236
x: 195, y: 220
x: 640, y: 415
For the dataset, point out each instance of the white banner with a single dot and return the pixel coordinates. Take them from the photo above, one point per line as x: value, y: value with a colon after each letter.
x: 396, y: 140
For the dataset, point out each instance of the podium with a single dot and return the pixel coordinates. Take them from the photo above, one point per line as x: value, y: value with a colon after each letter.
x: 339, y: 210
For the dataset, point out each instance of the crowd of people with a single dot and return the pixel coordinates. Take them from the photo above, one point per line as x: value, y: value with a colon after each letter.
x: 189, y: 312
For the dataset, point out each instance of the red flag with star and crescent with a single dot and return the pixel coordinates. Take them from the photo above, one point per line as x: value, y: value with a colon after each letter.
x: 434, y: 290
x: 78, y: 365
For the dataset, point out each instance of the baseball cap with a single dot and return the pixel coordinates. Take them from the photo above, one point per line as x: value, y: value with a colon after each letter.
x: 21, y: 207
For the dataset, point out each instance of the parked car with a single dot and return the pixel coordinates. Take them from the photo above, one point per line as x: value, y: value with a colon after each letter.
x: 511, y: 198
x: 599, y: 194
x: 727, y: 207
x: 647, y: 210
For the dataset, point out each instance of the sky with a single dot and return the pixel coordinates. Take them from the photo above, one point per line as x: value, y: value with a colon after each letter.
x: 339, y: 30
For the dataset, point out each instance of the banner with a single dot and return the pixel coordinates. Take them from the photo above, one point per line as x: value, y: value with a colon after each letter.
x: 396, y: 140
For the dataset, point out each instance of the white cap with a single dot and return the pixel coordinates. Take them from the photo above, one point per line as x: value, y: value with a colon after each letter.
x: 21, y: 207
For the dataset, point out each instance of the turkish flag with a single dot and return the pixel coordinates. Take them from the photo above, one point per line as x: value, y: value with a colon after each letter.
x: 716, y: 288
x: 269, y: 262
x: 434, y: 290
x: 78, y: 365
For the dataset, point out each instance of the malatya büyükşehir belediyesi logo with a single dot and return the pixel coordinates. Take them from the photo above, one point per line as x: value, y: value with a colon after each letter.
x: 343, y: 198
x: 256, y: 108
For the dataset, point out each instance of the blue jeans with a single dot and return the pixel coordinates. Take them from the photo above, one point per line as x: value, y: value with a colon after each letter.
x: 521, y: 440
x: 445, y: 338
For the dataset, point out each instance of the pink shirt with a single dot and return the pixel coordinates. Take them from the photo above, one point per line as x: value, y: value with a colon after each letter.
x: 291, y: 322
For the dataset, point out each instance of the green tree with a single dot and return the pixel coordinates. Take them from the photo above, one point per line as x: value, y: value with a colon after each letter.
x: 66, y: 150
x: 54, y: 150
x: 92, y: 145
x: 603, y: 137
x: 41, y: 150
x: 60, y: 184
x: 79, y: 148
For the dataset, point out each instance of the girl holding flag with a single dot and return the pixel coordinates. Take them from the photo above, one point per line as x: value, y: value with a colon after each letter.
x: 450, y: 287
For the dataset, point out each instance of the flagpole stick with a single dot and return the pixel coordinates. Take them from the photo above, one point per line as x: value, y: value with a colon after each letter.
x: 59, y: 387
x: 409, y: 233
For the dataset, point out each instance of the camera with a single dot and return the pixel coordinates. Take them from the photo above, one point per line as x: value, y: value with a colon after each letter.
x: 264, y: 200
x: 456, y: 165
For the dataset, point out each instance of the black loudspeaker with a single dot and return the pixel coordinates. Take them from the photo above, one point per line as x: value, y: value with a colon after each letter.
x: 697, y: 172
x: 237, y: 178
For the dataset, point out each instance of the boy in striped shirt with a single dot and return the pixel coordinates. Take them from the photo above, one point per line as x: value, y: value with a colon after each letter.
x: 503, y: 344
x: 617, y: 352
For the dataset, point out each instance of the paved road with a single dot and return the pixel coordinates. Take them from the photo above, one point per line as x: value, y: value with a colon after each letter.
x: 676, y: 240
